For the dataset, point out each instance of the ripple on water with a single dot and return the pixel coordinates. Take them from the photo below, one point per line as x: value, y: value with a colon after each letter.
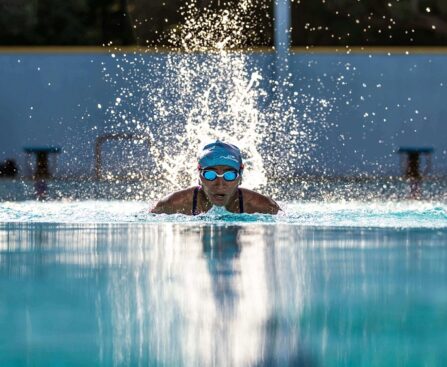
x: 334, y: 214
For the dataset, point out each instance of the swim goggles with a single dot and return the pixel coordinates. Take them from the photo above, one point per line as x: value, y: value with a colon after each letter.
x: 212, y: 175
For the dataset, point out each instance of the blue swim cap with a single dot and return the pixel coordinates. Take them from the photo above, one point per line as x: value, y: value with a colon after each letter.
x: 220, y: 154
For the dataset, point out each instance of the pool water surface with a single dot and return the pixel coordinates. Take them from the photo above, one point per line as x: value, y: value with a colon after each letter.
x: 222, y: 291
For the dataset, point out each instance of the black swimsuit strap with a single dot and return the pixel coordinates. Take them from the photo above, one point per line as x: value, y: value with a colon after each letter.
x: 194, y: 200
x: 241, y: 201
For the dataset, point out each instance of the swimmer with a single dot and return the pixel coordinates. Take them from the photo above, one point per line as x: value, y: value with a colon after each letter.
x: 220, y: 174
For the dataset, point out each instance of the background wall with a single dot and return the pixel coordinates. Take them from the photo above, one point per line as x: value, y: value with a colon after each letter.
x: 379, y: 102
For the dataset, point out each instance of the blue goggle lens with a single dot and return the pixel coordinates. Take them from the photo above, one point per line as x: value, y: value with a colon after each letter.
x: 227, y: 176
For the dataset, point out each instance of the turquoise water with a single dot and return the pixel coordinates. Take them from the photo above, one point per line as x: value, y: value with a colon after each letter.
x: 381, y: 214
x: 336, y: 284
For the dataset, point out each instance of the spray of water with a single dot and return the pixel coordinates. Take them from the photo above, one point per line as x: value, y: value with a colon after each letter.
x: 210, y: 87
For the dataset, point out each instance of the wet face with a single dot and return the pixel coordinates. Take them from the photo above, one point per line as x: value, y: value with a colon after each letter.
x: 219, y: 191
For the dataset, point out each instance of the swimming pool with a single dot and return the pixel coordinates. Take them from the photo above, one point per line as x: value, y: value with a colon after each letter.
x: 325, y: 284
x: 351, y: 274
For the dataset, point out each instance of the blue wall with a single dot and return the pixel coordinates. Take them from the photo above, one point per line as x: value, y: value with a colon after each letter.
x: 379, y: 103
x: 382, y: 102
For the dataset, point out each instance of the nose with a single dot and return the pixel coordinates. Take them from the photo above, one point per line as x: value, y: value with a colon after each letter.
x: 219, y: 182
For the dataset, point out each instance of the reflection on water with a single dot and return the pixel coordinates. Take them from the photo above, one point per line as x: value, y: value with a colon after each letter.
x: 203, y: 295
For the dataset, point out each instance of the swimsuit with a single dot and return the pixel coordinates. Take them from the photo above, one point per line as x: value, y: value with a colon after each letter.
x: 196, y: 193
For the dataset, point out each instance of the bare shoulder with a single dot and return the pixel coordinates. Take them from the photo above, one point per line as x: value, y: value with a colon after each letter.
x: 177, y: 202
x: 255, y: 202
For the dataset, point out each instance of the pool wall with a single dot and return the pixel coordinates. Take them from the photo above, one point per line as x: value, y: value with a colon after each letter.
x: 380, y: 101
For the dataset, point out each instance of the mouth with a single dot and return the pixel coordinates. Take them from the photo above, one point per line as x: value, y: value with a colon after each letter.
x: 218, y: 197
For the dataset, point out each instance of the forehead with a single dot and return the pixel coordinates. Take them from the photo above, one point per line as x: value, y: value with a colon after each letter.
x: 220, y: 168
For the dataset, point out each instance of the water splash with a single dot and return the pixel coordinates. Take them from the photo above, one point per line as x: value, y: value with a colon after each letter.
x: 207, y: 88
x: 216, y: 93
x: 376, y: 214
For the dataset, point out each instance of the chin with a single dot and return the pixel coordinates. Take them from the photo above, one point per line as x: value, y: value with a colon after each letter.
x: 219, y: 203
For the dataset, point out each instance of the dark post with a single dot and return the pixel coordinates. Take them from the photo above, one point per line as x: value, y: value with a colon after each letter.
x: 42, y: 170
x: 412, y: 167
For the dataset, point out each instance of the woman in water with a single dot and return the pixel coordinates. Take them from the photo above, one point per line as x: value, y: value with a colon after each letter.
x: 220, y: 174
